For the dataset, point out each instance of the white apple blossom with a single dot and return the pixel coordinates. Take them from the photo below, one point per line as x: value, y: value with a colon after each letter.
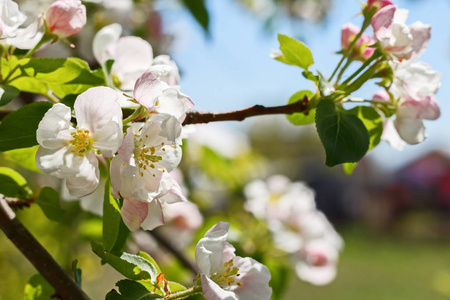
x: 71, y: 153
x: 398, y: 39
x: 225, y: 276
x: 139, y: 173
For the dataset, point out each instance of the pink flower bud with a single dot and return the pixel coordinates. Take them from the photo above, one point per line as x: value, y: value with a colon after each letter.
x: 361, y: 50
x: 65, y: 17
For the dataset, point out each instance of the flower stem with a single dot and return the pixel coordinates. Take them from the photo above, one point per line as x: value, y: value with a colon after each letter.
x: 133, y: 116
x: 47, y: 37
x: 374, y: 56
x: 186, y: 293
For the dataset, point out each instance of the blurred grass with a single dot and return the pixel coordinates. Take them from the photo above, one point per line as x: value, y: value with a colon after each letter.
x: 374, y: 267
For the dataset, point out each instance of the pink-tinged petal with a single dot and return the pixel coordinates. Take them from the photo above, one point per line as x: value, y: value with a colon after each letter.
x: 116, y: 178
x: 155, y: 216
x: 212, y: 291
x: 174, y: 195
x: 65, y: 17
x: 184, y: 215
x: 174, y: 103
x: 411, y: 130
x: 134, y: 213
x: 173, y: 76
x: 390, y: 135
x: 147, y: 89
x: 425, y: 109
x: 416, y: 81
x: 54, y: 129
x: 87, y: 179
x: 28, y: 37
x: 381, y: 3
x: 254, y: 278
x: 421, y: 35
x: 97, y: 111
x: 382, y: 21
x: 126, y: 150
x: 103, y: 39
x: 133, y: 56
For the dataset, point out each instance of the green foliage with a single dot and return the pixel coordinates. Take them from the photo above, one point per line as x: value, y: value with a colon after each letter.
x: 374, y: 125
x: 280, y: 274
x: 131, y: 266
x: 38, y: 288
x: 25, y: 157
x: 115, y: 232
x: 294, y: 52
x: 150, y: 259
x: 343, y: 135
x: 76, y: 272
x: 131, y: 290
x: 302, y: 118
x: 48, y: 200
x: 7, y: 94
x: 63, y: 76
x: 18, y: 129
x: 12, y: 184
x: 198, y: 10
x: 176, y: 287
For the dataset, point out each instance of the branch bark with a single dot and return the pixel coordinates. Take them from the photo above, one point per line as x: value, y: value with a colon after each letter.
x: 196, y: 117
x: 63, y: 284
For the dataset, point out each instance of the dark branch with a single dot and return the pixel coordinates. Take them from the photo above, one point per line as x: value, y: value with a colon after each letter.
x: 195, y: 117
x: 63, y: 284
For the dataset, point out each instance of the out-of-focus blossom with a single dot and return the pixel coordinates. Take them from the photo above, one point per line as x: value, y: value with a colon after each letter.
x: 65, y: 17
x: 291, y: 215
x: 379, y: 3
x: 70, y: 153
x: 361, y: 50
x: 396, y: 38
x: 225, y: 275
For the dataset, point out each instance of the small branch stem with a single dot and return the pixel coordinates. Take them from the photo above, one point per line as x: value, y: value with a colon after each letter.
x: 178, y: 254
x: 63, y: 284
x: 186, y: 293
x: 195, y: 117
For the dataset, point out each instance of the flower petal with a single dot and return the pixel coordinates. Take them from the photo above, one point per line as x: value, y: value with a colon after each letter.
x: 212, y: 291
x: 134, y: 213
x: 87, y: 179
x: 147, y: 89
x: 208, y: 252
x: 97, y: 111
x: 103, y: 39
x: 155, y: 216
x: 411, y: 130
x: 54, y: 129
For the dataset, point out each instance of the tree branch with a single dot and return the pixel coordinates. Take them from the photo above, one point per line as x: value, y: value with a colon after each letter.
x: 195, y: 117
x: 63, y: 284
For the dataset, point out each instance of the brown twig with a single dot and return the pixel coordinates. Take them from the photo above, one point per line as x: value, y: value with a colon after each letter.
x: 195, y: 117
x: 63, y: 284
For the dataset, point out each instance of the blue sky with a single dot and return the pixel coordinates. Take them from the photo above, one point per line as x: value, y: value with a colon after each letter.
x: 233, y: 70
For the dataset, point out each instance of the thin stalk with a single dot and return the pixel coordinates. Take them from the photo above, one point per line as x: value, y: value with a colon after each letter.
x: 186, y: 293
x: 134, y: 115
x: 374, y: 56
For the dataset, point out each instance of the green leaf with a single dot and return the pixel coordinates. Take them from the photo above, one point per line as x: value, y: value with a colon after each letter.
x: 294, y: 52
x: 115, y: 232
x: 151, y: 260
x: 280, y: 269
x: 302, y: 118
x: 198, y: 10
x: 76, y: 272
x: 343, y: 135
x: 176, y: 287
x: 12, y: 184
x: 325, y: 87
x: 310, y: 76
x: 38, y: 288
x: 63, y: 76
x: 7, y: 94
x: 131, y: 266
x: 131, y: 290
x: 48, y: 200
x: 24, y: 157
x: 374, y: 125
x: 18, y: 129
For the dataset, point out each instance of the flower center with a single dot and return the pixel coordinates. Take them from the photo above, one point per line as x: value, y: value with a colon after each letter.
x: 81, y: 141
x: 317, y: 259
x: 146, y: 158
x: 227, y: 276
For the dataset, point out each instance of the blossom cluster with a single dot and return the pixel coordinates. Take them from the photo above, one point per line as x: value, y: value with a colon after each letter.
x: 143, y: 157
x: 297, y: 227
x: 414, y: 84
